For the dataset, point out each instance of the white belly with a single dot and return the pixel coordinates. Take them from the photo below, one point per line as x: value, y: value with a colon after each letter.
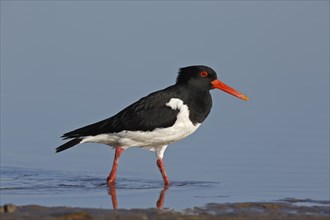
x: 158, y: 137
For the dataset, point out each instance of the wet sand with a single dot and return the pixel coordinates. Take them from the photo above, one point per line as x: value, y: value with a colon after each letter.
x: 232, y: 211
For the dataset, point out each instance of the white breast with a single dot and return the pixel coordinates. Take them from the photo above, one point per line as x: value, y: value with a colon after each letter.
x: 159, y: 137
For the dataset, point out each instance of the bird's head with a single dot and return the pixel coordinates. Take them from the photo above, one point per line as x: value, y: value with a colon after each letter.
x: 205, y: 77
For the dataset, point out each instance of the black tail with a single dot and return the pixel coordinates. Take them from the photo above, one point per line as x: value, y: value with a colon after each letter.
x: 68, y: 144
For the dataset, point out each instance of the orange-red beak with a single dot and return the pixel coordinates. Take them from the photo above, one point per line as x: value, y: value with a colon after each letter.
x: 220, y: 85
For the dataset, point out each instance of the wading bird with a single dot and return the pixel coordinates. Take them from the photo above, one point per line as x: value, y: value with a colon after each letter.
x: 156, y: 120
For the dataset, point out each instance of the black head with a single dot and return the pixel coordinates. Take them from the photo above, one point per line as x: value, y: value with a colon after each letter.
x: 205, y: 78
x: 200, y: 76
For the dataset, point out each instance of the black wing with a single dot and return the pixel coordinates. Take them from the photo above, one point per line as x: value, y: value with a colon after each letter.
x: 146, y: 114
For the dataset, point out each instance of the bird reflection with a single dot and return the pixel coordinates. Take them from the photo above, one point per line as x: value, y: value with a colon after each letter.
x: 113, y: 194
x: 161, y: 199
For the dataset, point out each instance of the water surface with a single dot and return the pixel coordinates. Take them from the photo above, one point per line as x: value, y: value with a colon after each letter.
x: 24, y: 186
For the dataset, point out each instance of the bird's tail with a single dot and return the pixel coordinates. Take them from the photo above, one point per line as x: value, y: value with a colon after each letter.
x: 68, y: 144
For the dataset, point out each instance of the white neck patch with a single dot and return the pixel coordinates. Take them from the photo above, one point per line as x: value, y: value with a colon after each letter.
x: 175, y: 104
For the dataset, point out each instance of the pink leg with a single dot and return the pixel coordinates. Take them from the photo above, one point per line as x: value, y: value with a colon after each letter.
x: 112, y: 176
x: 161, y: 167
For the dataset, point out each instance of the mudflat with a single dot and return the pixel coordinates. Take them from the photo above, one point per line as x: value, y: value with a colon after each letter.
x: 232, y: 211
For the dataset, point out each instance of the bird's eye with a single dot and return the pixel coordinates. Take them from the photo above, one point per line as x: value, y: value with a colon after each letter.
x: 204, y: 74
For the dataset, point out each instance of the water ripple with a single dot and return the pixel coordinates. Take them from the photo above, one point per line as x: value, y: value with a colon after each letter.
x: 25, y: 180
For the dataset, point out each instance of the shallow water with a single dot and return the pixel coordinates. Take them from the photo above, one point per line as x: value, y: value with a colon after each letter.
x: 58, y: 188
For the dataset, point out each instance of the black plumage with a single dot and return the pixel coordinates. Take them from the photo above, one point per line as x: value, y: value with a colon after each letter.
x: 151, y: 112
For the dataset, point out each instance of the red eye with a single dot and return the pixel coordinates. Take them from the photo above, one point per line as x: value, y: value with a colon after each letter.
x: 204, y: 74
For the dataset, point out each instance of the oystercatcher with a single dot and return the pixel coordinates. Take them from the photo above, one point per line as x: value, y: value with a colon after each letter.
x: 156, y: 120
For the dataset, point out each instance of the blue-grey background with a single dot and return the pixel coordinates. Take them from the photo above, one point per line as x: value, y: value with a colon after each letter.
x: 68, y: 64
